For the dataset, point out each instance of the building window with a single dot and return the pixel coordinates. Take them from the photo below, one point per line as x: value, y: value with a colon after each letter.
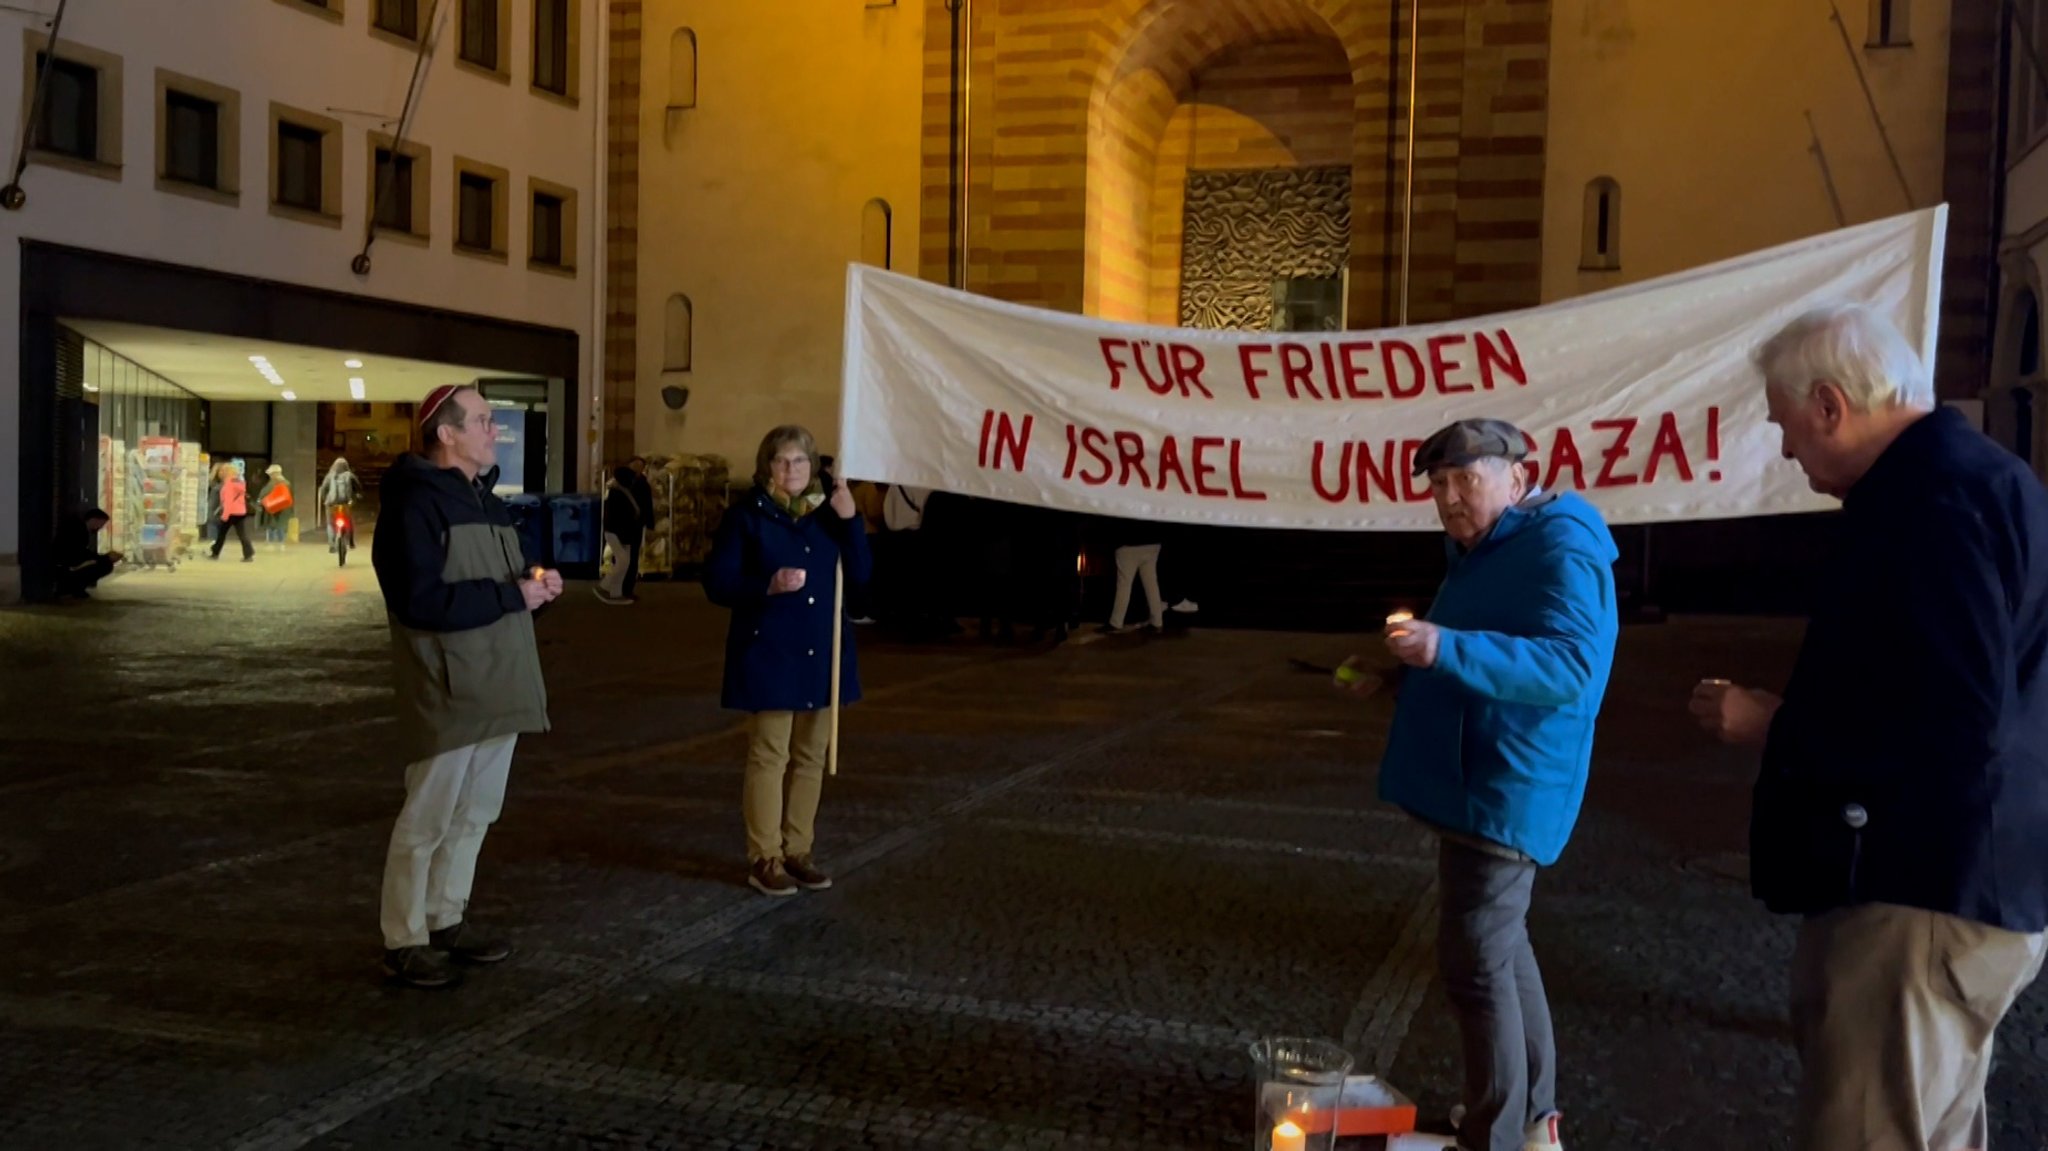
x: 481, y: 21
x: 1890, y: 26
x: 554, y: 56
x: 299, y: 167
x: 478, y: 196
x: 305, y: 165
x: 550, y: 227
x: 191, y: 140
x: 399, y: 187
x: 394, y: 191
x: 329, y: 9
x: 401, y: 18
x: 547, y: 230
x: 682, y: 69
x: 1600, y: 249
x: 70, y: 120
x: 675, y: 334
x: 480, y: 208
x: 2028, y: 115
x: 877, y: 230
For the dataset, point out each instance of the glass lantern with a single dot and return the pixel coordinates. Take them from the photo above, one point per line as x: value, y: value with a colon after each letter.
x: 1300, y: 1082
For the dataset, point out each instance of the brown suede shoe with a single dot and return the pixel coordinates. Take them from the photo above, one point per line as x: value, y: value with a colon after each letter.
x: 800, y: 868
x: 767, y: 877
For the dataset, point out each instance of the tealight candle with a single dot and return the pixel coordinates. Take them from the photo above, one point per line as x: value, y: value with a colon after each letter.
x: 1289, y: 1136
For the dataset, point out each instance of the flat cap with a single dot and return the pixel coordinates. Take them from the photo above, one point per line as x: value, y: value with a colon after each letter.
x: 1458, y: 444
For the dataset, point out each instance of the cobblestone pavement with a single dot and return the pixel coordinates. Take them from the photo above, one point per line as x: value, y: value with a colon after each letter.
x: 1073, y: 885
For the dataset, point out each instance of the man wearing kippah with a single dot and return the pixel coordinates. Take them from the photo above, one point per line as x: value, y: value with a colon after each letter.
x: 1491, y: 741
x: 460, y: 596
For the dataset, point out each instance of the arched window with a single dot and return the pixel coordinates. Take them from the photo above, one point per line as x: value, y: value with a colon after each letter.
x: 675, y: 339
x: 682, y: 69
x: 877, y: 233
x: 1601, y: 247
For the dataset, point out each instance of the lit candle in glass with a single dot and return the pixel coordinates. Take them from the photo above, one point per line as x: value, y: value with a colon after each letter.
x: 1289, y: 1136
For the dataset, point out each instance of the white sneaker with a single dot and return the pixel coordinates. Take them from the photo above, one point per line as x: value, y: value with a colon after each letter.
x: 1186, y: 607
x: 1541, y: 1135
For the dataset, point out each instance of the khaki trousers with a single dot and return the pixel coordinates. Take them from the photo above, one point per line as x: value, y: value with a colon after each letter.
x: 1893, y: 1010
x: 785, y: 775
x: 450, y: 801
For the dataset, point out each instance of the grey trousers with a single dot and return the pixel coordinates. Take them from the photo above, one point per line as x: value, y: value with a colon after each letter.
x: 1496, y: 993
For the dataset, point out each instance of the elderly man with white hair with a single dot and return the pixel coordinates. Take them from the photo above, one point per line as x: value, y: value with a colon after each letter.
x: 1902, y: 807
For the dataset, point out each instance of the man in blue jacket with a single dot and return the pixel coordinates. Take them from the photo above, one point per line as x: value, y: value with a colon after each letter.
x: 1491, y: 742
x: 1902, y: 808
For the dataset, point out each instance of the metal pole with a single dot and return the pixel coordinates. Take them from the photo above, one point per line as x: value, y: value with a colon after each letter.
x: 1408, y: 191
x: 953, y: 154
x: 966, y: 139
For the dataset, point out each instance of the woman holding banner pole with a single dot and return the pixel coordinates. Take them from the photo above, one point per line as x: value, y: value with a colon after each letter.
x: 778, y: 563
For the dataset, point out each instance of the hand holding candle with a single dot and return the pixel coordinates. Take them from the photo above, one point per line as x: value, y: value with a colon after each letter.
x: 1731, y: 713
x: 1412, y: 641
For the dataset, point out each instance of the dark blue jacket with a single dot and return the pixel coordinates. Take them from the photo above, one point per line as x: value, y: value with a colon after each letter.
x: 1495, y: 741
x: 1918, y: 707
x: 778, y: 652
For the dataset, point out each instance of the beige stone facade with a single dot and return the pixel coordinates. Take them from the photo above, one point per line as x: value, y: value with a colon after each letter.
x: 1711, y: 129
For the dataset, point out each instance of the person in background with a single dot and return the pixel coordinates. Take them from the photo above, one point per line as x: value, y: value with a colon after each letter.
x: 340, y: 489
x: 460, y: 596
x: 1491, y: 746
x: 80, y: 566
x: 276, y: 525
x: 624, y: 528
x: 644, y: 494
x: 773, y: 564
x: 1902, y: 807
x: 1138, y: 544
x: 869, y: 498
x: 234, y: 513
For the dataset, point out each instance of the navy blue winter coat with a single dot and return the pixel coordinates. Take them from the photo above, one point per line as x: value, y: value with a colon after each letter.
x: 778, y: 653
x: 1909, y: 763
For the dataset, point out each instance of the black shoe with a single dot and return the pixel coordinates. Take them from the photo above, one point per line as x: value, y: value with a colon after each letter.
x: 469, y: 947
x: 421, y: 967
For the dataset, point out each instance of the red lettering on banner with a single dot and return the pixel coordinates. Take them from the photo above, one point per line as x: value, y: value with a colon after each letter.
x: 1130, y: 457
x: 1169, y: 461
x: 1506, y: 358
x: 1204, y: 469
x: 1094, y: 441
x: 1564, y: 453
x: 1624, y: 427
x: 1164, y: 383
x: 1441, y: 365
x: 1668, y: 444
x: 1116, y: 366
x: 1416, y: 380
x: 1237, y: 488
x: 1415, y: 487
x: 1343, y: 472
x: 1188, y: 365
x: 1252, y: 373
x: 1329, y: 371
x: 1354, y: 372
x: 1382, y: 473
x: 1002, y: 436
x: 1298, y: 367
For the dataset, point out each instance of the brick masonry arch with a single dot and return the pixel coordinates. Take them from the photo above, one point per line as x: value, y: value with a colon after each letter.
x: 1043, y: 71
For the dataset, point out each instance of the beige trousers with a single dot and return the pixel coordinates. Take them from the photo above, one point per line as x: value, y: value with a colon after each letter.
x: 1893, y: 1010
x: 785, y: 775
x: 450, y: 801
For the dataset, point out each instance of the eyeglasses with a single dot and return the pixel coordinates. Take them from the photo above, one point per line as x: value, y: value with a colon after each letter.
x: 789, y: 463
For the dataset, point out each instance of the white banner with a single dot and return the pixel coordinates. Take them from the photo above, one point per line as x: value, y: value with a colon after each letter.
x: 1643, y: 398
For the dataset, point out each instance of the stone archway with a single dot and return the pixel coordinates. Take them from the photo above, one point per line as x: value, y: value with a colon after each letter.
x: 1151, y: 123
